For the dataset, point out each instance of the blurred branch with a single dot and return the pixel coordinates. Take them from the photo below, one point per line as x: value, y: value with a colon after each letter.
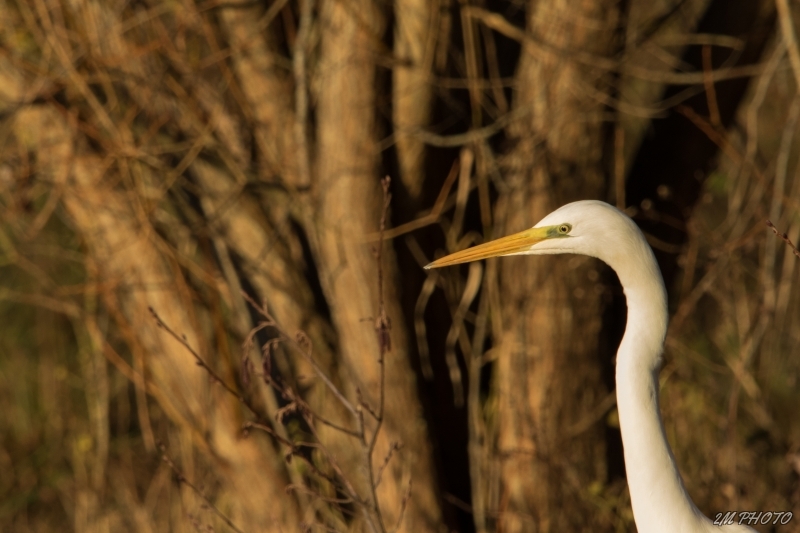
x: 425, y: 220
x: 473, y: 283
x: 789, y: 37
x: 301, y: 93
x: 498, y: 23
x: 471, y: 136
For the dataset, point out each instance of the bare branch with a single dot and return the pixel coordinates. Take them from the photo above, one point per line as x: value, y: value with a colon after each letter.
x: 200, y: 362
x: 182, y: 479
x: 406, y: 498
x: 306, y: 354
x: 394, y: 447
x: 784, y: 237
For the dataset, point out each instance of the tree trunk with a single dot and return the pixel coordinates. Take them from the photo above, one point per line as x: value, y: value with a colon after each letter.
x: 347, y: 205
x: 548, y: 377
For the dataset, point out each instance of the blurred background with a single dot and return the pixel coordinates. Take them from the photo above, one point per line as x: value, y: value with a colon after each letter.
x: 181, y: 155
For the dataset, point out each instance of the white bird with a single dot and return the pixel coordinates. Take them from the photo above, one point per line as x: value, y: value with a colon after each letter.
x: 589, y: 227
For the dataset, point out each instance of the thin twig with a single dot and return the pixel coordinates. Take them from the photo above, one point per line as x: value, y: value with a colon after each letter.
x: 784, y: 237
x: 347, y: 487
x: 198, y: 359
x: 394, y: 447
x: 182, y: 479
x: 333, y: 425
x: 403, y: 506
x: 294, y: 451
x: 305, y: 353
x: 297, y: 404
x: 382, y: 327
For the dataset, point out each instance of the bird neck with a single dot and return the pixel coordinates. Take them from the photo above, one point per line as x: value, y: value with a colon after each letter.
x: 659, y: 500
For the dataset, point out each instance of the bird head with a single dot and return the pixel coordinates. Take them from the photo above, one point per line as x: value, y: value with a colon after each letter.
x: 587, y: 227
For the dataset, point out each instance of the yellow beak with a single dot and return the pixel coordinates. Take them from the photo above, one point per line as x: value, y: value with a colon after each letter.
x: 512, y: 244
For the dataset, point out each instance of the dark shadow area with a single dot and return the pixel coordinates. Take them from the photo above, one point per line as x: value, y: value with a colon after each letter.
x: 675, y: 156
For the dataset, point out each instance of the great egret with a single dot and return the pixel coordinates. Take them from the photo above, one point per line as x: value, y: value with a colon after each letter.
x: 589, y: 227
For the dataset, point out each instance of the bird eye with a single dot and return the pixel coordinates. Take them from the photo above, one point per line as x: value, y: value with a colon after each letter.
x: 563, y: 229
